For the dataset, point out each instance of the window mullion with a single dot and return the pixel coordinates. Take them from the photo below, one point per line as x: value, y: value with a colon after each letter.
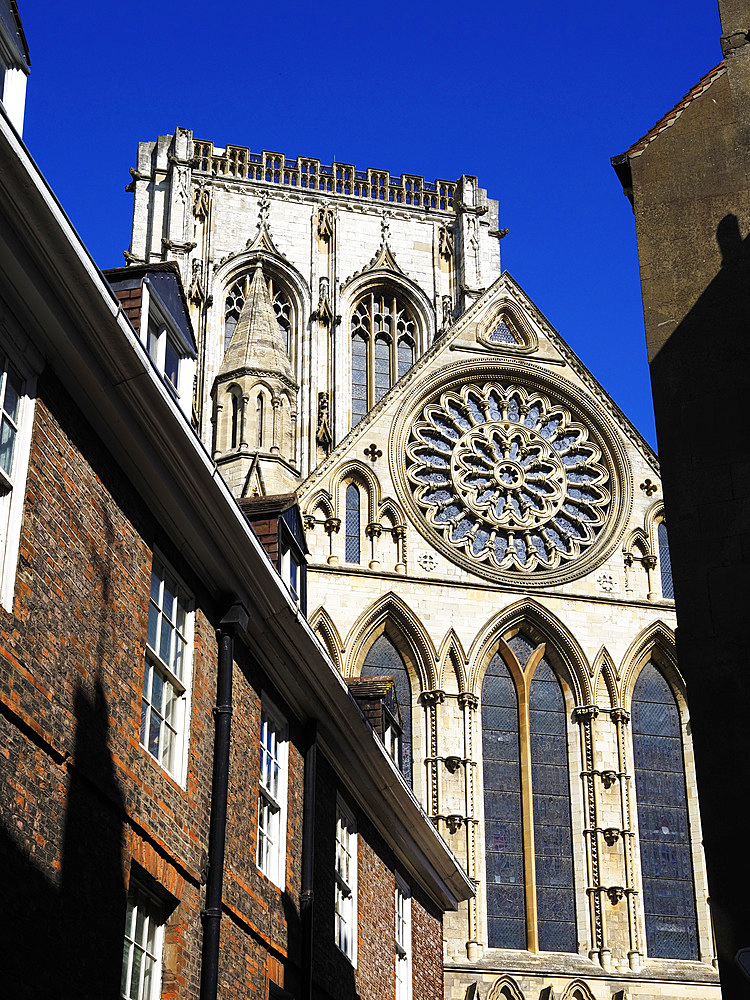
x: 527, y: 818
x: 371, y: 355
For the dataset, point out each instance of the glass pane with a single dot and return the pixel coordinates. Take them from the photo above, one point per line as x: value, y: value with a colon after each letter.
x: 506, y: 905
x: 7, y: 442
x: 171, y: 363
x: 153, y: 622
x: 553, y: 839
x: 352, y: 550
x: 384, y: 660
x: 663, y: 822
x: 665, y: 563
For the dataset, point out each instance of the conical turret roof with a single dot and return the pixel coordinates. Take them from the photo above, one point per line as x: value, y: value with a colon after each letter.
x: 258, y: 340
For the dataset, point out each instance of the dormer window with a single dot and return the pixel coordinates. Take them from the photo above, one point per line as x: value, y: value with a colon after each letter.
x: 167, y: 345
x: 14, y: 67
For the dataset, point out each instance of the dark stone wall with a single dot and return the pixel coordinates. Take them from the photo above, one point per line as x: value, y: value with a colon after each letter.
x: 691, y: 198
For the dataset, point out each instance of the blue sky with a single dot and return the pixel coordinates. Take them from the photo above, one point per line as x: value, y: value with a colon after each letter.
x: 531, y: 97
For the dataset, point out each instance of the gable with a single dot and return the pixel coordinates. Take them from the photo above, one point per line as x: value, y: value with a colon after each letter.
x: 498, y: 447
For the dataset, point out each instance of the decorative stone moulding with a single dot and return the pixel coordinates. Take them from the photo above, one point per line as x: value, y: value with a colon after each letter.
x: 515, y: 478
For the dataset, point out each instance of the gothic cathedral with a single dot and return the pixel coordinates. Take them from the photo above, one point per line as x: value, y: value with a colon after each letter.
x: 484, y: 525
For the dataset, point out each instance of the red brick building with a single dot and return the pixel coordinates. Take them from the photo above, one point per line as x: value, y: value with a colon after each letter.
x: 193, y: 800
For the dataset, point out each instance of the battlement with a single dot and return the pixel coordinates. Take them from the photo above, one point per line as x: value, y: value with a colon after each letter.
x: 338, y: 178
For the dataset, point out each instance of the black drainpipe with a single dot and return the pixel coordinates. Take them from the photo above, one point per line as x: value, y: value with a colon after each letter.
x: 211, y: 914
x: 308, y: 859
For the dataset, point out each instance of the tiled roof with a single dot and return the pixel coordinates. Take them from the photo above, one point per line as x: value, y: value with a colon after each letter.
x: 671, y: 116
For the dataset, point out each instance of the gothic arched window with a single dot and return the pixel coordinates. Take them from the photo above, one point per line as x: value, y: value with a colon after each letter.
x: 665, y: 562
x: 663, y: 822
x: 384, y: 334
x: 382, y: 660
x: 352, y: 540
x: 527, y: 806
x: 282, y: 306
x: 259, y: 418
x: 236, y: 418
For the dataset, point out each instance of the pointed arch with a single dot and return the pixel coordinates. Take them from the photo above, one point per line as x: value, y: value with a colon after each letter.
x: 654, y: 515
x: 577, y: 990
x: 604, y: 668
x: 505, y: 988
x: 372, y: 279
x: 566, y: 652
x: 656, y: 641
x: 388, y: 507
x: 323, y: 625
x: 357, y: 472
x: 321, y: 500
x: 390, y: 613
x: 637, y: 539
x: 520, y: 326
x: 451, y: 659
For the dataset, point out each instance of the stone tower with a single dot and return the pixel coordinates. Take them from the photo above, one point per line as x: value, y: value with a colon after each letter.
x: 485, y: 526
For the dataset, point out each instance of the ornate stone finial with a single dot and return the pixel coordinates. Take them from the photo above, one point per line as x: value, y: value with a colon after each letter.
x: 323, y: 431
x: 373, y: 453
x: 648, y: 487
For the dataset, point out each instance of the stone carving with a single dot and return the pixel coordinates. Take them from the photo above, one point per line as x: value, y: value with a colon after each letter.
x: 507, y: 477
x: 648, y: 487
x: 324, y: 312
x: 373, y: 453
x: 326, y: 222
x: 323, y: 431
x: 605, y: 582
x: 201, y: 202
x: 447, y: 311
x: 427, y: 561
x: 611, y: 835
x: 615, y: 893
x: 445, y: 242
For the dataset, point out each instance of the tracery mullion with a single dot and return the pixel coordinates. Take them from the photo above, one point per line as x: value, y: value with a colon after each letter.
x: 371, y: 355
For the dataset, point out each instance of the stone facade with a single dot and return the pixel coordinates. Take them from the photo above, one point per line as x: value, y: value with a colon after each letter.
x: 474, y: 501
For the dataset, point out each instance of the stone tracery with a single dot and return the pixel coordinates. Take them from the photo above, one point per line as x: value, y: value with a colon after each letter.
x: 508, y: 477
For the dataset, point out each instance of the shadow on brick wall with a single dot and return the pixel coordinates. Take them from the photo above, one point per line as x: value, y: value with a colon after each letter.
x: 65, y: 939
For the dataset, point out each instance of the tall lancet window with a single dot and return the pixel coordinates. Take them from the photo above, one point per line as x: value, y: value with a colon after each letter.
x: 352, y: 540
x: 527, y: 813
x: 663, y: 822
x: 503, y: 838
x: 384, y: 335
x: 259, y: 419
x: 665, y: 562
x: 550, y: 782
x: 383, y: 660
x: 236, y: 418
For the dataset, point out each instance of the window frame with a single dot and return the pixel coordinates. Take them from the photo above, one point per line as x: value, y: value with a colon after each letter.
x: 154, y: 663
x: 403, y: 946
x: 272, y: 803
x: 138, y: 900
x: 157, y: 322
x: 346, y: 910
x: 13, y: 482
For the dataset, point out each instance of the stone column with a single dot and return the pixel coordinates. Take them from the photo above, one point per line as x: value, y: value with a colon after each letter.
x: 469, y: 704
x: 331, y: 525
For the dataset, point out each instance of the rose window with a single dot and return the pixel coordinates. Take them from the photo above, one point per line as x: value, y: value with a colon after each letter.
x: 507, y: 477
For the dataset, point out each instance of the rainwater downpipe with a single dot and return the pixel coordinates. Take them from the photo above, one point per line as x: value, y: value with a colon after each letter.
x: 308, y: 860
x: 211, y: 913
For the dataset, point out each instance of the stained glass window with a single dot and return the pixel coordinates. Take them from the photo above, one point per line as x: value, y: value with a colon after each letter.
x: 382, y: 367
x: 506, y: 908
x: 663, y: 823
x: 665, y: 562
x: 359, y: 378
x: 553, y: 846
x: 383, y: 660
x: 352, y: 524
